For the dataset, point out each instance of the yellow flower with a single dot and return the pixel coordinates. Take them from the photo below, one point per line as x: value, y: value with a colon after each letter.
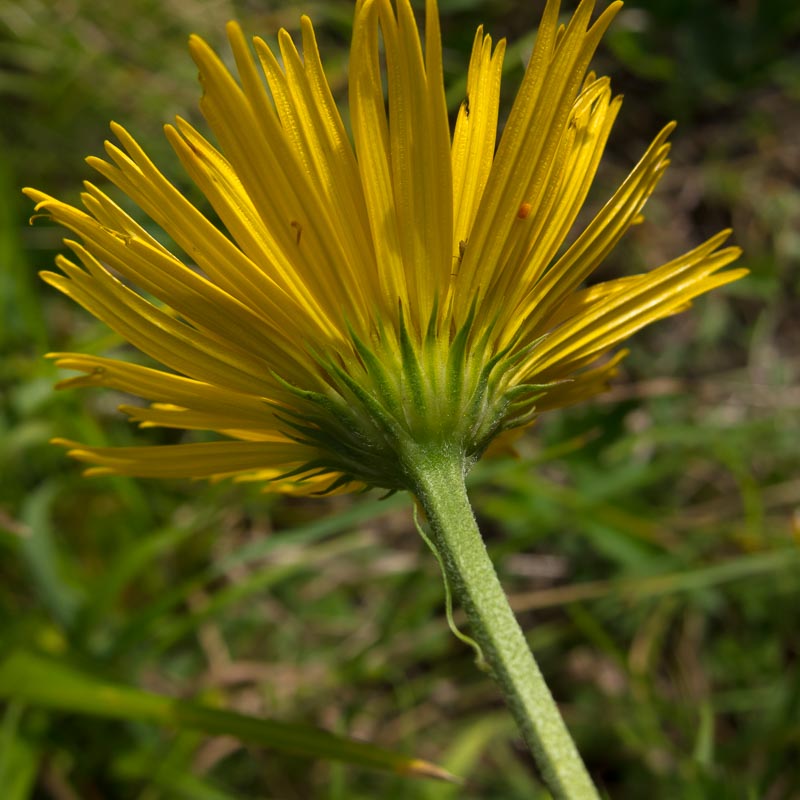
x: 360, y: 299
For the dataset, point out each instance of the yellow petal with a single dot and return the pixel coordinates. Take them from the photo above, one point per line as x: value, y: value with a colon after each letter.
x: 474, y: 136
x: 202, y: 460
x: 371, y: 135
x: 530, y: 141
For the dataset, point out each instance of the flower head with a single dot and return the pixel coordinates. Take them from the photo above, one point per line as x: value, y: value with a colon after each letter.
x: 361, y: 299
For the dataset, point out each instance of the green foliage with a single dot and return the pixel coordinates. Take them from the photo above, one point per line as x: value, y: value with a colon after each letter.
x: 47, y: 683
x: 649, y: 541
x: 701, y: 54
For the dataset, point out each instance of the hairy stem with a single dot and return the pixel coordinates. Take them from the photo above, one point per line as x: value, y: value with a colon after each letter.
x: 438, y: 477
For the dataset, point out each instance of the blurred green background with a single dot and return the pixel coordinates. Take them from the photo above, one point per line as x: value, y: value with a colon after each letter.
x: 650, y: 541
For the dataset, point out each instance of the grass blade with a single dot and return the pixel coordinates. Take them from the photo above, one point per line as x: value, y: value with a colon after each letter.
x: 47, y: 683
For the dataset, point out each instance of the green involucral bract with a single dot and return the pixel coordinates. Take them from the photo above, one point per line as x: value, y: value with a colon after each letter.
x: 405, y: 391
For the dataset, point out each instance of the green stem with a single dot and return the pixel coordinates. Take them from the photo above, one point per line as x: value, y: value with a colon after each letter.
x: 438, y: 476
